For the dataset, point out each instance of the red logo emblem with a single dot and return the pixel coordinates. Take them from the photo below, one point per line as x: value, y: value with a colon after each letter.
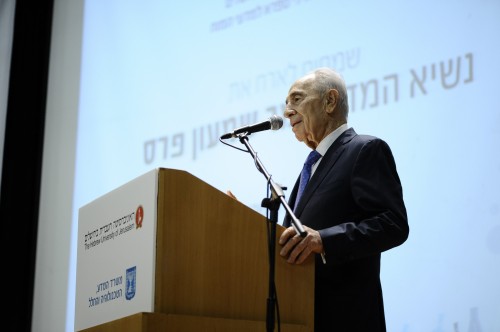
x: 139, y: 215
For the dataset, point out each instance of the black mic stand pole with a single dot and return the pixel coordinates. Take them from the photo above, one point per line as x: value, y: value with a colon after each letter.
x: 272, y: 204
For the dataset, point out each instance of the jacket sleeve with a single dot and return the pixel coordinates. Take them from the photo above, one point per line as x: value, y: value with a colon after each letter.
x: 381, y: 222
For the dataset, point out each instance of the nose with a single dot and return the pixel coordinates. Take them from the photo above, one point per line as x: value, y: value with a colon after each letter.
x: 288, y: 112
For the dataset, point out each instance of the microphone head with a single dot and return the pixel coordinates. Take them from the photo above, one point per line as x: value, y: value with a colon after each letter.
x: 276, y: 122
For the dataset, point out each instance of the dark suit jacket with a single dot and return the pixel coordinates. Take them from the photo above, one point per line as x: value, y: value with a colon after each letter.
x: 355, y: 200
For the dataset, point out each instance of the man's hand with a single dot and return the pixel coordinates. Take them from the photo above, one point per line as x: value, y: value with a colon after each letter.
x: 296, y: 248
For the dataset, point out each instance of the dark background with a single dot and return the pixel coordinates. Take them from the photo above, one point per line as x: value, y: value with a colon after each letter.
x: 22, y: 160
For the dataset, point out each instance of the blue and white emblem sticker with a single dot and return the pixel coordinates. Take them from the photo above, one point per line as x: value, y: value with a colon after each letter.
x: 130, y: 283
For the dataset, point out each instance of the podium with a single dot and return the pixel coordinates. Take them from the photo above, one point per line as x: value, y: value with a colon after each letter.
x: 211, y: 265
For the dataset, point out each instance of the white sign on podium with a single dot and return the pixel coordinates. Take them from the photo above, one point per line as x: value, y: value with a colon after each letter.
x: 116, y: 253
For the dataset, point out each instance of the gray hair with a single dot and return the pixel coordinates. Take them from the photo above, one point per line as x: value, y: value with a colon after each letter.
x: 326, y: 79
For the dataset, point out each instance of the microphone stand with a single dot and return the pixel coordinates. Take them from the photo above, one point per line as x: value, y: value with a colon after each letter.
x: 276, y: 189
x: 272, y: 204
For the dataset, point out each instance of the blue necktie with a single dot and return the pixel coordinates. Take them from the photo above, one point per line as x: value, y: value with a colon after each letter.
x: 305, y: 175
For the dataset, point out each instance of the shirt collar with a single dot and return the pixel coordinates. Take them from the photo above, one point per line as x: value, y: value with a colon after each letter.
x: 325, y: 144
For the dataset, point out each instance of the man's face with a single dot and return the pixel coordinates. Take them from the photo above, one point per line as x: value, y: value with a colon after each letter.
x: 305, y: 109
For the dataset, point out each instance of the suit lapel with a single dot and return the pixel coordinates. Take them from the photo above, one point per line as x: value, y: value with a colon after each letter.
x: 329, y: 159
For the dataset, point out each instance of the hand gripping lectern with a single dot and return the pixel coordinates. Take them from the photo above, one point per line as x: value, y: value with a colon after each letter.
x: 169, y: 252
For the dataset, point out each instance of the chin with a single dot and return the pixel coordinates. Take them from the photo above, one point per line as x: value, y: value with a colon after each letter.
x: 300, y: 138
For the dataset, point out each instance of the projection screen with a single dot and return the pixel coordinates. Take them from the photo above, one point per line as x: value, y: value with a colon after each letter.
x: 155, y: 83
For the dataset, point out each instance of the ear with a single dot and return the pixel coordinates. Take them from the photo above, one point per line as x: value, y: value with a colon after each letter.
x: 332, y: 97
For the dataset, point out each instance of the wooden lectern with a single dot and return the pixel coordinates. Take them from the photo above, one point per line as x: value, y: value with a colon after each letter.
x: 212, y: 266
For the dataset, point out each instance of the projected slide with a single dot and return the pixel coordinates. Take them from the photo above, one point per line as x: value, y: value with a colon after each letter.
x: 161, y: 81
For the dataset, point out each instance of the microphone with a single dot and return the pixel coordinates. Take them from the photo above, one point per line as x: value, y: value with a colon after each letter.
x: 275, y: 122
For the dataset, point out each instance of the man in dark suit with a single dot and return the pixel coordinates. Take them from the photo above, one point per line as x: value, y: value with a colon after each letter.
x: 352, y: 207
